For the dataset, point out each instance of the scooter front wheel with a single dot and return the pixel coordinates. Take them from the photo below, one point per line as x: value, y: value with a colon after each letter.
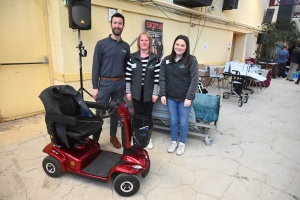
x: 126, y: 184
x: 52, y: 167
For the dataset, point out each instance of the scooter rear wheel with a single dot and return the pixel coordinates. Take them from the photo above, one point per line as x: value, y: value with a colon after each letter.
x: 126, y: 184
x: 52, y: 167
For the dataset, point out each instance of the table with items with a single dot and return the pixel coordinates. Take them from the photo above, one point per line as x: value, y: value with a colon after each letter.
x: 273, y: 66
x: 248, y: 70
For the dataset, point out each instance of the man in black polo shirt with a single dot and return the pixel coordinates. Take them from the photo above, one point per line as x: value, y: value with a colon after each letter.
x: 295, y: 62
x: 110, y: 57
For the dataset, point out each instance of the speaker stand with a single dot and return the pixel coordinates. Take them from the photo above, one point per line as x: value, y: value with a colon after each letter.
x: 82, y: 53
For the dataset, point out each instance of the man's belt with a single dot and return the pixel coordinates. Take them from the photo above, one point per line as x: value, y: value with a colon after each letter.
x: 112, y: 79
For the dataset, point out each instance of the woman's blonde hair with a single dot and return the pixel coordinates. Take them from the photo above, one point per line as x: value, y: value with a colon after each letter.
x: 149, y: 38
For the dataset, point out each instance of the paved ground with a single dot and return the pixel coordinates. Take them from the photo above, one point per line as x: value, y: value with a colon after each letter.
x: 254, y: 155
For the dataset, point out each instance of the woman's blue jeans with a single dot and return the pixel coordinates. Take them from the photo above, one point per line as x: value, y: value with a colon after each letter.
x: 178, y: 114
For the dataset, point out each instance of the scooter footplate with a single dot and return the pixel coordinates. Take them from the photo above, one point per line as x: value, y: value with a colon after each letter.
x: 102, y: 165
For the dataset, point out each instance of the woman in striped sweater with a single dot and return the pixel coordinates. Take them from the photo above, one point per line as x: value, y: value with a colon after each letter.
x: 142, y: 78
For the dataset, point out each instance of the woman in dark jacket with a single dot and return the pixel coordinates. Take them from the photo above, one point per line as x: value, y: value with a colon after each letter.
x: 178, y: 81
x: 142, y: 78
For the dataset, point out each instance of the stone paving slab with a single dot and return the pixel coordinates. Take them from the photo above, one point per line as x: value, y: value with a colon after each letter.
x: 254, y: 155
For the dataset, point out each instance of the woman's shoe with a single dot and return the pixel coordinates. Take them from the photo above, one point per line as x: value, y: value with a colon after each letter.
x: 181, y: 148
x: 172, y: 147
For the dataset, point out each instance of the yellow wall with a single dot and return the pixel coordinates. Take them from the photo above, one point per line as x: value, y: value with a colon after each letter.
x: 249, y: 12
x: 215, y: 35
x: 214, y: 28
x: 24, y: 38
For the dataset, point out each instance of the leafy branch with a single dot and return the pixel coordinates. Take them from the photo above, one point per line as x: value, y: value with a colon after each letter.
x: 281, y: 32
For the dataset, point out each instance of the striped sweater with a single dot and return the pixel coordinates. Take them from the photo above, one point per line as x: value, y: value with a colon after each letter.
x: 128, y: 74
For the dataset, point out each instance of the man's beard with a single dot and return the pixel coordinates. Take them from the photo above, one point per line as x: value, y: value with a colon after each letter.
x: 117, y: 32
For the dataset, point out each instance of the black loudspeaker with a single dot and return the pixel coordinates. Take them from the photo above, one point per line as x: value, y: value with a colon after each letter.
x: 230, y: 4
x: 80, y: 14
x: 269, y: 16
x: 260, y: 38
x: 193, y: 3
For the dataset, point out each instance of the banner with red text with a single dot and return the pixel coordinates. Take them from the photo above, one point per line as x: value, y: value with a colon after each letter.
x: 156, y: 31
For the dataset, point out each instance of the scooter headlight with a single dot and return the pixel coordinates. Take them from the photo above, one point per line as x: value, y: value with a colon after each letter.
x: 137, y: 167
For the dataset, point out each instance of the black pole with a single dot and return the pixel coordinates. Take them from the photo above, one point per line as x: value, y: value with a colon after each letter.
x: 80, y: 62
x: 82, y: 53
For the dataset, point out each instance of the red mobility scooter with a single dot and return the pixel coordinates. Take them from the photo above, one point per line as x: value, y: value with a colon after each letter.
x: 70, y: 123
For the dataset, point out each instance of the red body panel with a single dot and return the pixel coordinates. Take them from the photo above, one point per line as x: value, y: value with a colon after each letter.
x: 125, y: 119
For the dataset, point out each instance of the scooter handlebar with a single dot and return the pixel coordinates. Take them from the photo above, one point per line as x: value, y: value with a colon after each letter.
x: 107, y: 110
x: 110, y: 109
x: 96, y: 105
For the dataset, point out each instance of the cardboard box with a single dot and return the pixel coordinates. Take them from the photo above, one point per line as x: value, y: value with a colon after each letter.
x: 203, y: 72
x: 220, y: 70
x: 205, y: 81
x: 202, y: 67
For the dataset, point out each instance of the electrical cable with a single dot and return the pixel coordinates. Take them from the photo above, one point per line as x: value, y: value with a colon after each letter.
x: 198, y: 36
x: 188, y: 14
x: 190, y: 26
x: 172, y: 11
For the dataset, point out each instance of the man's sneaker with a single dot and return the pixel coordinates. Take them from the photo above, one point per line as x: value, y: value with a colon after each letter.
x: 297, y: 82
x: 172, y: 147
x: 150, y: 145
x: 181, y: 148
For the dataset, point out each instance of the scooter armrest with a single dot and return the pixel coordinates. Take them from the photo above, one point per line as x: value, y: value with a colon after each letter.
x: 100, y: 106
x: 64, y: 119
